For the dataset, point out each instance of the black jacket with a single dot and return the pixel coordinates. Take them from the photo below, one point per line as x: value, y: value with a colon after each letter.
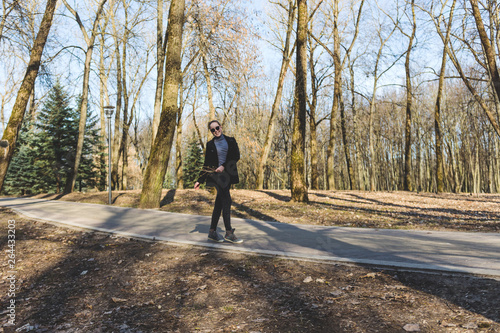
x: 230, y: 174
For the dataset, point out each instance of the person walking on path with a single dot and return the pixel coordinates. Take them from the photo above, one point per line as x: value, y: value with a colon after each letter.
x: 220, y: 170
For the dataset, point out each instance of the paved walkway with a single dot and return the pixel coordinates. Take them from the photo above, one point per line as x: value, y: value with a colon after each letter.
x: 476, y: 253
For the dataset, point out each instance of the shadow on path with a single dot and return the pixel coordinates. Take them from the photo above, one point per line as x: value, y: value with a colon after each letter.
x: 280, y: 238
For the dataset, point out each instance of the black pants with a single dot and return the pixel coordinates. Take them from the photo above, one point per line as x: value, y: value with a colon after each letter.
x: 222, y: 204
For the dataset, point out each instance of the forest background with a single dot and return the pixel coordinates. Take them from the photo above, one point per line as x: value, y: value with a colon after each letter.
x: 399, y: 95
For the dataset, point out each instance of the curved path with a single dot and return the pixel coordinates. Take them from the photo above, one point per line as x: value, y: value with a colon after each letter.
x: 458, y: 252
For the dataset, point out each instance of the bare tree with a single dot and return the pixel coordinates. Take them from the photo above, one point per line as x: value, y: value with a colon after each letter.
x: 160, y: 153
x: 437, y: 108
x: 377, y: 74
x: 297, y: 167
x: 491, y: 60
x: 8, y: 8
x: 285, y: 62
x: 9, y: 138
x: 408, y: 186
x: 339, y: 65
x: 70, y: 183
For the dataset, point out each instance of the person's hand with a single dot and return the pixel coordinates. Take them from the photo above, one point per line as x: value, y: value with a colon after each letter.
x: 220, y: 169
x: 196, y: 186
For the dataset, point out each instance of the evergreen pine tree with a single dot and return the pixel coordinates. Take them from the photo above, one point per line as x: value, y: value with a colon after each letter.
x: 45, y: 152
x: 58, y: 125
x: 193, y: 163
x: 21, y: 176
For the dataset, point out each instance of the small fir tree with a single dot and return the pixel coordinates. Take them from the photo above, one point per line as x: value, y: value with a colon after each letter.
x: 21, y: 176
x: 192, y: 163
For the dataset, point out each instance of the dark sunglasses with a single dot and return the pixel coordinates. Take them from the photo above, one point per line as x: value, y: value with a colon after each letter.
x: 215, y: 129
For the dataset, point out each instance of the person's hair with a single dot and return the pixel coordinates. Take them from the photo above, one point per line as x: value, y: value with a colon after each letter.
x: 213, y: 121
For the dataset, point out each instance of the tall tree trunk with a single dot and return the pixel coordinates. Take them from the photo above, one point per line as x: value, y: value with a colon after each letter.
x: 103, y: 96
x: 103, y: 101
x: 371, y: 143
x: 160, y: 153
x: 336, y: 93
x: 178, y: 144
x: 437, y: 130
x: 407, y: 183
x: 337, y: 90
x: 297, y: 168
x: 160, y: 62
x: 314, y: 155
x: 70, y: 182
x: 476, y: 176
x: 437, y: 110
x: 124, y: 180
x: 115, y: 150
x: 418, y: 185
x: 211, y: 107
x: 286, y: 56
x: 347, y: 152
x: 126, y: 121
x: 496, y: 168
x: 356, y: 141
x: 312, y: 118
x: 9, y: 138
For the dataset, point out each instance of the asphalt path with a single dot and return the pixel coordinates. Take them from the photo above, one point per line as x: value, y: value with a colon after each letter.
x: 452, y: 252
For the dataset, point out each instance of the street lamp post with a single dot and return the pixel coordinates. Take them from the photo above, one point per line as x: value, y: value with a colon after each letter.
x: 109, y: 112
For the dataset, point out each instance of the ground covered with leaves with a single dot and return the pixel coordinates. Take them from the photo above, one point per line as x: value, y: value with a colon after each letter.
x: 71, y: 280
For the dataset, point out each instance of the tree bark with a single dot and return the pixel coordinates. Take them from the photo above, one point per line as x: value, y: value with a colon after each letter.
x: 437, y: 110
x: 178, y: 144
x: 126, y: 121
x: 103, y: 101
x: 115, y: 149
x: 160, y: 153
x: 371, y: 134
x: 211, y: 107
x: 407, y: 182
x: 313, y: 136
x: 357, y: 137
x: 160, y: 62
x: 336, y: 93
x: 9, y: 138
x: 347, y: 152
x: 297, y: 168
x: 286, y: 57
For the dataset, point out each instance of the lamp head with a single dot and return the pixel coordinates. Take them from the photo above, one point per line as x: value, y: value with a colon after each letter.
x: 108, y: 110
